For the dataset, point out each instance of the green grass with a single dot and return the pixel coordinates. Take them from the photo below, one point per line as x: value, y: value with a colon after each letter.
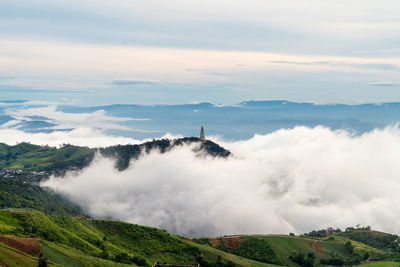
x: 8, y: 223
x: 91, y: 238
x: 332, y: 248
x: 33, y: 157
x: 66, y: 256
x: 359, y: 247
x: 12, y: 257
x: 213, y: 253
x: 381, y: 264
x: 372, y: 238
x: 283, y: 246
x: 70, y: 241
x: 59, y: 258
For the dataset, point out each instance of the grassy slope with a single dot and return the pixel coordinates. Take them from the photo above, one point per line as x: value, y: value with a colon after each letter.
x: 71, y: 241
x: 373, y: 238
x: 213, y: 253
x: 359, y: 247
x: 33, y: 157
x: 67, y: 256
x: 15, y: 194
x: 13, y: 257
x: 382, y: 264
x: 283, y: 245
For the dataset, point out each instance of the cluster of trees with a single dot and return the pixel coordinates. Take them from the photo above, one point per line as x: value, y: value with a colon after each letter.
x: 124, y: 153
x: 375, y: 239
x: 309, y: 260
x: 335, y: 261
x: 301, y: 259
x: 358, y: 227
x: 125, y: 258
x: 219, y: 262
x: 253, y: 248
x: 330, y: 231
x: 323, y: 232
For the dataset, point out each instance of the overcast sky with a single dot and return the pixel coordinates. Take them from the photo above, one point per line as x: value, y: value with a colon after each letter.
x: 154, y: 51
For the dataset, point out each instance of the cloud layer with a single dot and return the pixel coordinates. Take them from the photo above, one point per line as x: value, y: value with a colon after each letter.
x: 292, y: 180
x: 89, y: 137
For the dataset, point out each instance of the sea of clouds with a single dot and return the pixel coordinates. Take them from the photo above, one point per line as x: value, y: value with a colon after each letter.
x: 292, y: 180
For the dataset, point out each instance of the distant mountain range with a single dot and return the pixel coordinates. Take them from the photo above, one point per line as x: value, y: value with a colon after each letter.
x: 233, y: 122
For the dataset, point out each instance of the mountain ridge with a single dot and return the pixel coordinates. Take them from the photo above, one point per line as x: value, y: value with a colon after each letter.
x: 29, y: 157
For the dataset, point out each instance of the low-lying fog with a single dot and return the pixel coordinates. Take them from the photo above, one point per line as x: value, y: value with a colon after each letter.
x: 293, y: 180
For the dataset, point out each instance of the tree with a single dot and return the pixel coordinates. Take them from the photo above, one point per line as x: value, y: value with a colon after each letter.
x: 349, y: 248
x: 42, y: 262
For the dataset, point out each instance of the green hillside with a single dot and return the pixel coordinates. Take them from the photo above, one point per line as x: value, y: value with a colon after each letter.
x: 329, y: 250
x: 18, y: 194
x: 13, y: 257
x: 28, y: 157
x: 70, y: 241
x: 78, y: 241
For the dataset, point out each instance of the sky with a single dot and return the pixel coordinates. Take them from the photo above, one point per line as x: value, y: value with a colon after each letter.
x: 224, y: 52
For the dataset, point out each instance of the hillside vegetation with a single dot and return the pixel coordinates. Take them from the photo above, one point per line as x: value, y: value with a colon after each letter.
x: 19, y: 194
x: 351, y: 247
x: 25, y: 156
x: 71, y: 241
x: 28, y: 157
x: 78, y: 241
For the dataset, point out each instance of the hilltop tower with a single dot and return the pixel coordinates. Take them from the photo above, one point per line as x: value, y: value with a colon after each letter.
x: 202, y: 136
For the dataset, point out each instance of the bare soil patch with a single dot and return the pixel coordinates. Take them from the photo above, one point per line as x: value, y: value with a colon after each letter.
x: 230, y: 241
x: 27, y: 245
x: 319, y: 249
x: 215, y: 242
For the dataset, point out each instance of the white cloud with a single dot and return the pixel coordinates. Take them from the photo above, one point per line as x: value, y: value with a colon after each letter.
x: 81, y: 137
x: 292, y: 180
x: 63, y: 120
x: 384, y: 83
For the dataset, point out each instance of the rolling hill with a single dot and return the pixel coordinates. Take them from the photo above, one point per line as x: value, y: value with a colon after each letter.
x: 348, y: 248
x: 27, y: 237
x: 78, y: 241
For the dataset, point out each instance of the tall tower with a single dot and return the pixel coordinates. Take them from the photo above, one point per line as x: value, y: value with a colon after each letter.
x: 202, y: 136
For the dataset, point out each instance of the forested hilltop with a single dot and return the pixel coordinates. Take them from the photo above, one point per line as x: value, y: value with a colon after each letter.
x: 24, y: 165
x: 29, y: 157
